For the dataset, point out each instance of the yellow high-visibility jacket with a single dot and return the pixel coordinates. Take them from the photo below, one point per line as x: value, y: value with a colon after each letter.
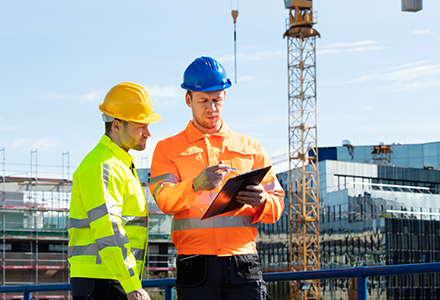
x: 108, y: 219
x: 179, y: 159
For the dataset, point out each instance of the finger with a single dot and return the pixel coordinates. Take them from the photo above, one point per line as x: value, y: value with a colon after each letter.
x: 254, y: 201
x: 222, y: 166
x: 216, y: 175
x: 255, y: 188
x: 250, y: 196
x: 248, y: 201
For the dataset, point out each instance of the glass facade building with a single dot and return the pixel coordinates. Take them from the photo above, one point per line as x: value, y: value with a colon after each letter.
x: 411, y: 155
x: 370, y: 215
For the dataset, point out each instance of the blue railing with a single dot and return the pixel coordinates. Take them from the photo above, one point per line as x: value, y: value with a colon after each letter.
x: 361, y: 273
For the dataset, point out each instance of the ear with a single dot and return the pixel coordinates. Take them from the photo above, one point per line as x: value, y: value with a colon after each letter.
x: 116, y: 125
x: 188, y: 100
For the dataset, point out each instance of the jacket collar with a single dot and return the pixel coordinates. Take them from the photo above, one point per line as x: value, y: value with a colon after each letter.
x: 126, y: 158
x: 193, y: 134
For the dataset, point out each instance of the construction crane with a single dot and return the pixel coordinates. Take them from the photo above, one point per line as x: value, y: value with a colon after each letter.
x: 303, y: 145
x: 303, y: 150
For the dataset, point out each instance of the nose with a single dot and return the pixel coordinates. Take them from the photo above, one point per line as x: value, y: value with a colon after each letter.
x: 211, y: 105
x: 146, y: 132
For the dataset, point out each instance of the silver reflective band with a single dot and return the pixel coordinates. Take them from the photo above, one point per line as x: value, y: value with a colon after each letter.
x: 97, y: 212
x: 166, y: 178
x: 90, y: 249
x: 118, y: 238
x: 273, y: 186
x: 137, y: 253
x: 115, y: 240
x: 134, y: 221
x: 216, y: 222
x: 169, y: 177
x: 77, y: 223
x: 85, y: 223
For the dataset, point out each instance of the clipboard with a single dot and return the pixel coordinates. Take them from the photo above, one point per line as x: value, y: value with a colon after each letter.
x: 226, y: 199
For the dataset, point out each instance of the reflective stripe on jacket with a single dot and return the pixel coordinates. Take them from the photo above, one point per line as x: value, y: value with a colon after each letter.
x: 108, y: 218
x: 179, y: 159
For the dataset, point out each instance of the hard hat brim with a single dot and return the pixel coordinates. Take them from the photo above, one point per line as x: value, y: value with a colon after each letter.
x: 151, y: 119
x: 209, y: 89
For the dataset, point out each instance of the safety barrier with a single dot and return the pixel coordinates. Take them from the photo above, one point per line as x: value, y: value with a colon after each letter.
x: 361, y: 273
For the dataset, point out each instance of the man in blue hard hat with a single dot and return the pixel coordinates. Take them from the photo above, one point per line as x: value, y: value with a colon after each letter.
x: 217, y: 256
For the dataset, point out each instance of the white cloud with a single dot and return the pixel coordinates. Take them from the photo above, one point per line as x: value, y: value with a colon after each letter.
x: 422, y: 31
x: 367, y: 48
x: 245, y: 78
x: 410, y: 76
x: 166, y: 96
x: 326, y: 51
x: 156, y: 91
x: 417, y: 63
x: 415, y: 77
x: 91, y: 96
x: 355, y: 80
x: 41, y: 144
x: 348, y: 47
x: 52, y: 96
x: 9, y: 128
x: 248, y: 57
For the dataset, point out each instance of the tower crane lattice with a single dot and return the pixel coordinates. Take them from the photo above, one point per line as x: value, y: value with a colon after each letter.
x: 303, y: 150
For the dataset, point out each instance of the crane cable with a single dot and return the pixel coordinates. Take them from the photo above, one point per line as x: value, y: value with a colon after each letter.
x: 234, y: 17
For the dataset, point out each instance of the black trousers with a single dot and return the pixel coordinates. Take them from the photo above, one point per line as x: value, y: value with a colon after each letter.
x: 211, y: 277
x: 96, y: 289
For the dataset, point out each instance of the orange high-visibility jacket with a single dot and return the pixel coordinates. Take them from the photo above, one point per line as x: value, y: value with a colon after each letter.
x: 179, y: 159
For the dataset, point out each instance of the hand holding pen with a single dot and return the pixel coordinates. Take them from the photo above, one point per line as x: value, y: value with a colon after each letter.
x: 211, y: 177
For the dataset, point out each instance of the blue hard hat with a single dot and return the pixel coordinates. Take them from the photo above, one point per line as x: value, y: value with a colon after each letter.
x: 205, y: 74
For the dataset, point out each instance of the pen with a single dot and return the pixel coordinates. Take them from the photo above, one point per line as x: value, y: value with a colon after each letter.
x: 231, y: 169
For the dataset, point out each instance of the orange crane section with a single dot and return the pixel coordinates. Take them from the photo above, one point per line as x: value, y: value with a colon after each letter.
x: 303, y: 169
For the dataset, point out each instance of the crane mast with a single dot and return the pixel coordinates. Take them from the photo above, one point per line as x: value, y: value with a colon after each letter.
x: 303, y: 150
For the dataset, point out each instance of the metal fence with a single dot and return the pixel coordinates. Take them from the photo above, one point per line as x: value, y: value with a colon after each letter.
x: 361, y: 273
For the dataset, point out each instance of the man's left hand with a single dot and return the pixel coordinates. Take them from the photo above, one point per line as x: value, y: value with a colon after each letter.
x: 254, y: 195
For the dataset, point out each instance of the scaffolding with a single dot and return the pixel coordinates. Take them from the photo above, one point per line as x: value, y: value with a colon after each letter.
x: 34, y: 232
x: 34, y: 237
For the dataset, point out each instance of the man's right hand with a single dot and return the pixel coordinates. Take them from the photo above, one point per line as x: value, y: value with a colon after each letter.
x: 139, y: 294
x: 210, y: 177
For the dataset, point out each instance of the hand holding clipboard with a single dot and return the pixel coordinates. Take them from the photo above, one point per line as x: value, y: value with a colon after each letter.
x: 226, y: 200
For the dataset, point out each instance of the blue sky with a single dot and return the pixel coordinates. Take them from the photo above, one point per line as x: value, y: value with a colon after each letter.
x: 378, y: 72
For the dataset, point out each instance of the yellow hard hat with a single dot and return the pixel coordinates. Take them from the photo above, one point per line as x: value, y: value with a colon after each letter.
x: 129, y: 102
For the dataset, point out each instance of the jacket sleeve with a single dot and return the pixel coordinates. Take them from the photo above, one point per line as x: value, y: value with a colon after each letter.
x: 103, y: 192
x: 274, y: 206
x: 171, y: 194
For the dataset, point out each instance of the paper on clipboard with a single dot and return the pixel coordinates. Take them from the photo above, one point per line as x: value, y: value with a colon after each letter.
x: 226, y: 199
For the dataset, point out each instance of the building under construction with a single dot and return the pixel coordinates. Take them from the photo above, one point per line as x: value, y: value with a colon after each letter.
x: 35, y: 239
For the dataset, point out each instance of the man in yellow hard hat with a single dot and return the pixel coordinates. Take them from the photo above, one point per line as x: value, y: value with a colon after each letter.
x: 108, y: 219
